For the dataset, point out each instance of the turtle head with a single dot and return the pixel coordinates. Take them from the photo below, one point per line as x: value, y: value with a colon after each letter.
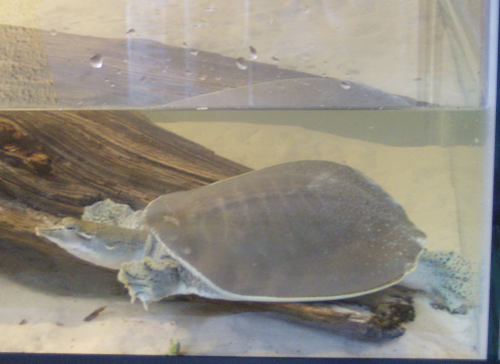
x: 100, y: 244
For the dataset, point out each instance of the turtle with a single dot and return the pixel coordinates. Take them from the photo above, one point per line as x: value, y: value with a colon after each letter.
x: 294, y: 232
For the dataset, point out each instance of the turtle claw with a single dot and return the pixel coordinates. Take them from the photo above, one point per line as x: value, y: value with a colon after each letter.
x: 136, y: 292
x: 145, y: 305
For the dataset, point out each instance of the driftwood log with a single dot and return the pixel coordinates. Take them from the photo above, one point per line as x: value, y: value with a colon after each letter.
x: 52, y: 164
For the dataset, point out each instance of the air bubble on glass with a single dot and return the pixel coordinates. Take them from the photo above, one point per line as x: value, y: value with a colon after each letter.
x: 97, y: 60
x: 241, y: 63
x: 346, y: 85
x: 306, y: 57
x: 253, y: 53
x: 304, y: 8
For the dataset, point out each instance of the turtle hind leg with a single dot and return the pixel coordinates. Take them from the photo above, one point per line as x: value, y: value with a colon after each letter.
x: 150, y: 279
x: 445, y: 276
x: 452, y: 278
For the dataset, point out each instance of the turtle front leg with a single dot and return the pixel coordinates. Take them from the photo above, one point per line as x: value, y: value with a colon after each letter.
x: 445, y: 276
x: 150, y: 279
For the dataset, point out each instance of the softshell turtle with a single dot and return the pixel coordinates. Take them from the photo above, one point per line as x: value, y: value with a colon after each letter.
x: 298, y: 231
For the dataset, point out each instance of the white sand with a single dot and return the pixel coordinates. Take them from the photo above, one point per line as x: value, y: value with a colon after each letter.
x: 54, y: 323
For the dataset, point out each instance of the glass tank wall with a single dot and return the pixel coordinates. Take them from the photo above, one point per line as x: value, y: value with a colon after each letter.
x: 402, y: 91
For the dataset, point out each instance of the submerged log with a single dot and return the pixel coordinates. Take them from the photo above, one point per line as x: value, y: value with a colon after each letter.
x: 374, y: 317
x: 52, y: 164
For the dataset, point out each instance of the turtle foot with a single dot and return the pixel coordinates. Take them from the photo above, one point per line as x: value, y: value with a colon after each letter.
x: 452, y: 274
x: 446, y: 276
x: 150, y: 279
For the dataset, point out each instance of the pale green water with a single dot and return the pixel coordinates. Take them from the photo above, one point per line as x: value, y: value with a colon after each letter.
x: 436, y: 163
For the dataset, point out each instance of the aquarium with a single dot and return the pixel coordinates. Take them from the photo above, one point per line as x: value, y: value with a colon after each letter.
x: 261, y: 177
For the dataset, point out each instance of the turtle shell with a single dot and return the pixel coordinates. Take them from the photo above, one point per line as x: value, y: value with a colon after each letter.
x: 299, y: 231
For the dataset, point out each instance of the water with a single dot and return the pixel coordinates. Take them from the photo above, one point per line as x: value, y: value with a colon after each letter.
x: 436, y: 163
